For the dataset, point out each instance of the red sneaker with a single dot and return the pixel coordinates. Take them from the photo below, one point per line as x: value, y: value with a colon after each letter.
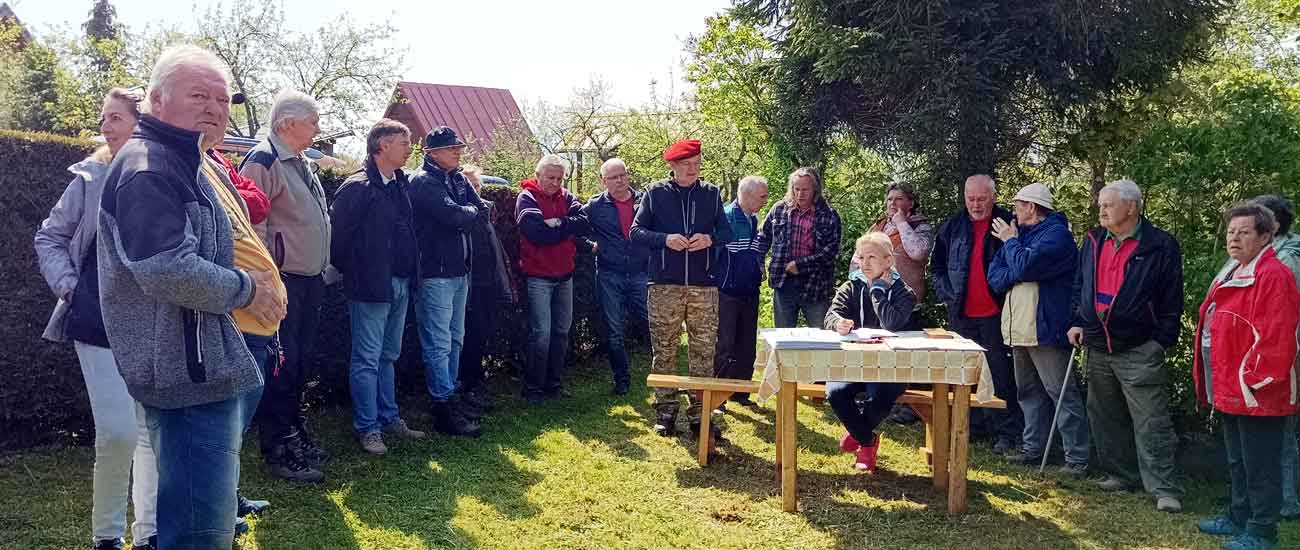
x: 866, y: 457
x: 848, y: 444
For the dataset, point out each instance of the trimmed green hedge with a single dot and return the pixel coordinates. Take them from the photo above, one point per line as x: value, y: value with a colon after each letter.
x: 43, y: 396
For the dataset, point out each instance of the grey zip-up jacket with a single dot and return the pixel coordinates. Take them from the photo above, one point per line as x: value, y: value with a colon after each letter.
x: 167, y: 279
x: 65, y: 236
x: 297, y: 226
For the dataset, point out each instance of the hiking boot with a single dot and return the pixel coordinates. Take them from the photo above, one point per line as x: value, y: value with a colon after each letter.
x: 1169, y: 504
x: 1113, y: 484
x: 714, y: 430
x: 399, y: 429
x: 287, y: 462
x: 865, y: 459
x: 373, y: 443
x: 1076, y: 471
x: 1004, y: 445
x: 108, y: 544
x: 313, y: 453
x: 151, y: 544
x: 466, y: 408
x: 666, y: 425
x: 1025, y: 459
x: 249, y: 507
x: 848, y: 444
x: 241, y: 527
x: 447, y: 422
x: 1247, y: 541
x: 903, y: 414
x: 744, y: 401
x: 1219, y: 526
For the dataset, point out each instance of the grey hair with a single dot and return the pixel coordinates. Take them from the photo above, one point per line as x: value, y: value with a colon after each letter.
x: 1263, y: 218
x: 291, y: 105
x: 1127, y: 190
x: 993, y: 185
x: 172, y: 60
x: 611, y: 163
x: 751, y: 184
x: 551, y: 160
x: 804, y: 172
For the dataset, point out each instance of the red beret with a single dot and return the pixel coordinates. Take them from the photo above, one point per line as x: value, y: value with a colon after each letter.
x: 683, y: 149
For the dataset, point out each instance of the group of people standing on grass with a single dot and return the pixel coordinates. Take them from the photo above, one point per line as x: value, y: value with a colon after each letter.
x: 191, y: 289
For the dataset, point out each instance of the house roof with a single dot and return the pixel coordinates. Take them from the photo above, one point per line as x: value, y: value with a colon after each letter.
x: 474, y: 112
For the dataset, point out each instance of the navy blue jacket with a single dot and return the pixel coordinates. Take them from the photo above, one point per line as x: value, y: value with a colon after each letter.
x: 950, y: 261
x: 614, y: 252
x: 1043, y: 255
x: 1149, y: 305
x: 667, y: 209
x: 740, y: 265
x: 446, y: 211
x: 364, y: 222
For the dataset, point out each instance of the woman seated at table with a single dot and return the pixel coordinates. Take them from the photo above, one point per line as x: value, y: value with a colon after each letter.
x: 875, y: 296
x: 1244, y: 368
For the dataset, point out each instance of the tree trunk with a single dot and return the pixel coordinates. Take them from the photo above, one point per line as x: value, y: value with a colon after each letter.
x: 1097, y: 179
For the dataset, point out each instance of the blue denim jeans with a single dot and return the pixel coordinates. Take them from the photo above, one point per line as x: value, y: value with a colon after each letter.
x: 621, y: 295
x: 787, y: 303
x: 376, y: 344
x: 198, y: 471
x: 550, y: 315
x: 440, y: 312
x: 258, y: 346
x: 1040, y: 375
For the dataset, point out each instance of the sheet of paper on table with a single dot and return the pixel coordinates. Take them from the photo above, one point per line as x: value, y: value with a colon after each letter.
x: 942, y: 344
x: 872, y: 334
x: 801, y: 338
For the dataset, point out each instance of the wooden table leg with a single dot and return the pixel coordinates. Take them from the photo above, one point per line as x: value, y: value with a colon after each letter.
x: 960, y: 449
x: 941, y: 437
x: 706, y: 428
x: 780, y: 408
x: 789, y: 425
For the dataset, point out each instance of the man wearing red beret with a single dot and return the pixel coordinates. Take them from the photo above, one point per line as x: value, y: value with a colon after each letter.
x: 682, y: 222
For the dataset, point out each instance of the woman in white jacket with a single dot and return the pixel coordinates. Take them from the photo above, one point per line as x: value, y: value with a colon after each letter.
x: 65, y: 245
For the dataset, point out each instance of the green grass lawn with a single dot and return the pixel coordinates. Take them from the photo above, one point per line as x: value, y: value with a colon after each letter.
x: 590, y: 473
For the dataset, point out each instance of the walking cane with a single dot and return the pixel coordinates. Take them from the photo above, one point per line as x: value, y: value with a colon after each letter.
x: 1060, y: 398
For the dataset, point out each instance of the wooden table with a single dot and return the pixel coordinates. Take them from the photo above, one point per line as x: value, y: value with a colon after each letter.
x: 955, y: 371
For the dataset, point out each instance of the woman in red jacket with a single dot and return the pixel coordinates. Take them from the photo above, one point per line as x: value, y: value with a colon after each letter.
x: 1245, y: 369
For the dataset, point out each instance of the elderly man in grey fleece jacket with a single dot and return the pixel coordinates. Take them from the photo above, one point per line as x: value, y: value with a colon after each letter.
x: 167, y: 287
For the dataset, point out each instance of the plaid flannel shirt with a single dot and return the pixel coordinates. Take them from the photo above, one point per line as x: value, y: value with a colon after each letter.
x: 816, y: 271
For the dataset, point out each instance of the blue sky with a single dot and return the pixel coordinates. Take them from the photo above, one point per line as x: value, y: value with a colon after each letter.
x: 538, y: 50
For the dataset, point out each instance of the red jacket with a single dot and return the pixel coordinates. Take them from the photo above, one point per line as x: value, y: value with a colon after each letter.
x: 1252, y: 322
x: 546, y: 251
x: 258, y: 206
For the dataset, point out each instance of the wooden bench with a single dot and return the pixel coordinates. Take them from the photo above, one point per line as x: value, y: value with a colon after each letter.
x: 713, y: 392
x: 921, y: 401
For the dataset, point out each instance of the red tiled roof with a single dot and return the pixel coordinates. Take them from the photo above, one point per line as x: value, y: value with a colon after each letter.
x: 473, y: 112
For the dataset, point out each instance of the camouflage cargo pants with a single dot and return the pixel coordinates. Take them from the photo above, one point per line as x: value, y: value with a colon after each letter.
x: 670, y: 307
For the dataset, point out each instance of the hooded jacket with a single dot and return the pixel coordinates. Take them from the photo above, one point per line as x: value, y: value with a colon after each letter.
x: 1035, y: 270
x: 1149, y: 305
x: 166, y: 274
x: 66, y: 240
x: 614, y: 252
x: 668, y: 209
x: 950, y: 261
x: 546, y: 251
x: 446, y: 211
x: 365, y: 219
x: 1245, y: 363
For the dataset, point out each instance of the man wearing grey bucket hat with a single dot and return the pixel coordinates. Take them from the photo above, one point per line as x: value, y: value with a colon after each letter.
x: 1035, y: 269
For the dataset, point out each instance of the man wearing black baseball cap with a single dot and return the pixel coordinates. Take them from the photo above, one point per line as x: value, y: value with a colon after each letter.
x: 446, y: 211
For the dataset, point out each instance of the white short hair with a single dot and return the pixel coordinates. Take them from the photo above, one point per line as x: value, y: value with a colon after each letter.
x: 751, y: 184
x: 172, y: 60
x: 1127, y: 190
x: 604, y: 167
x: 291, y: 105
x: 993, y: 185
x: 552, y: 160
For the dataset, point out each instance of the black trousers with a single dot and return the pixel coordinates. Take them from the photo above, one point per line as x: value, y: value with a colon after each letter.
x: 277, y: 413
x: 478, y: 328
x: 1254, y: 445
x: 987, y: 331
x: 733, y: 357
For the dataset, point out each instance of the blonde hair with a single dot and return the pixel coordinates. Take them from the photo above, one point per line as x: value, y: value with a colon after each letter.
x: 877, y: 240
